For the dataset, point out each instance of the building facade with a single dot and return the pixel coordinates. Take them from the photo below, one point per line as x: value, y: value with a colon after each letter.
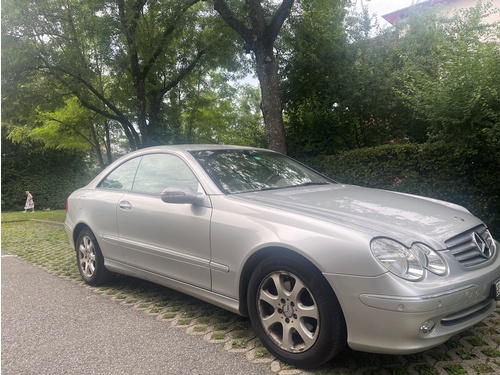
x: 445, y: 6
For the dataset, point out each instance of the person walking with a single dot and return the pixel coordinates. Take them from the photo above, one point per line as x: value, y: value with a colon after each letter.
x: 30, y: 204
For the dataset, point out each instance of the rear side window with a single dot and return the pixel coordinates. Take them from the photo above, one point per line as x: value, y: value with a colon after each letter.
x: 122, y: 178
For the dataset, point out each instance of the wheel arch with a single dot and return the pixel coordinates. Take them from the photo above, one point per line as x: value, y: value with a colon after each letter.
x: 255, y: 259
x: 77, y: 230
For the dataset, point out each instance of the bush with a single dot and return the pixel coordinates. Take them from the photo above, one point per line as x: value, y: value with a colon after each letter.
x: 441, y: 171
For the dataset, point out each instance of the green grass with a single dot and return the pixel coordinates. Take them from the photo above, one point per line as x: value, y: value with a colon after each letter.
x: 169, y: 315
x: 56, y: 215
x: 218, y: 336
x: 239, y: 344
x: 40, y: 244
x: 455, y: 369
x: 426, y: 370
x: 490, y: 352
x: 483, y: 368
x: 200, y: 328
x: 239, y: 334
x: 262, y: 353
x: 184, y: 321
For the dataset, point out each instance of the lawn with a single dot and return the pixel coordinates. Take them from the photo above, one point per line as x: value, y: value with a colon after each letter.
x: 56, y: 215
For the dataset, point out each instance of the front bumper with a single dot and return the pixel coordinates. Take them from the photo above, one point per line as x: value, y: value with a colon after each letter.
x: 391, y: 324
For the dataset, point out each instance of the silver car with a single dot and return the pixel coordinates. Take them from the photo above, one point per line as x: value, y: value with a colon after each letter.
x: 315, y: 264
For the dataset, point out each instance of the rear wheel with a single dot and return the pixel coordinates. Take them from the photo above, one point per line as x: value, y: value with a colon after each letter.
x: 89, y: 259
x: 295, y: 313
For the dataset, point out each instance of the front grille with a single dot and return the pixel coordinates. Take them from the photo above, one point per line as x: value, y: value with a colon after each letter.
x: 465, y: 249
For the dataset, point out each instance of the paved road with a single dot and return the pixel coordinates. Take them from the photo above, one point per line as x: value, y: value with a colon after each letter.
x: 53, y: 326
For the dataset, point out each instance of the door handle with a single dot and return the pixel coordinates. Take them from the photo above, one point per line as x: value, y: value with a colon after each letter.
x: 125, y: 205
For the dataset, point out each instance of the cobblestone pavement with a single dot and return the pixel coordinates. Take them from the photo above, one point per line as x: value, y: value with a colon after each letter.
x: 476, y: 351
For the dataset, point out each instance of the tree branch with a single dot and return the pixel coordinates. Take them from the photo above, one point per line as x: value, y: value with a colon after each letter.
x: 257, y: 18
x: 128, y: 29
x: 188, y: 69
x: 230, y: 18
x: 118, y: 116
x: 278, y: 19
x: 169, y: 30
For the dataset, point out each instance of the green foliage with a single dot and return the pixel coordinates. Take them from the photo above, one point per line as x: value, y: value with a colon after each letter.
x: 440, y: 170
x: 340, y: 83
x: 220, y: 112
x: 432, y: 78
x: 259, y: 23
x: 450, y: 74
x: 64, y: 128
x: 314, y: 66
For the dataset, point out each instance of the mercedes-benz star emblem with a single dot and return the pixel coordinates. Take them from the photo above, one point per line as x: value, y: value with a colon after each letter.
x: 481, y: 245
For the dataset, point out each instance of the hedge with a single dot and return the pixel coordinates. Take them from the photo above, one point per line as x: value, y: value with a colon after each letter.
x: 441, y: 171
x: 50, y: 176
x: 49, y: 191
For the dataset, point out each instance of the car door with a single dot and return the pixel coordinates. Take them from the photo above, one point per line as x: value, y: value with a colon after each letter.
x: 102, y: 203
x: 172, y: 240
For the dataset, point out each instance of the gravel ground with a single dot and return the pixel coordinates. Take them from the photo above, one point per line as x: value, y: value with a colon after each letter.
x: 476, y: 351
x: 51, y: 326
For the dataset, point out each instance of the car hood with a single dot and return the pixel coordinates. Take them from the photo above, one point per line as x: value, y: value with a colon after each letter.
x: 406, y: 218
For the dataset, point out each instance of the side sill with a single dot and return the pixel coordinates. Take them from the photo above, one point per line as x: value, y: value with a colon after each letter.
x: 206, y: 295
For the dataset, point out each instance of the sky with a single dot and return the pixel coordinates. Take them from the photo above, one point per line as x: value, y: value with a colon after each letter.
x: 381, y: 7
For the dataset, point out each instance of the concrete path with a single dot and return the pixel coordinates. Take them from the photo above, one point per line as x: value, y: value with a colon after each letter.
x: 53, y: 326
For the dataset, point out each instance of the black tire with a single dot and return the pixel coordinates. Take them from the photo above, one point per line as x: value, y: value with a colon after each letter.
x: 295, y: 313
x: 89, y: 259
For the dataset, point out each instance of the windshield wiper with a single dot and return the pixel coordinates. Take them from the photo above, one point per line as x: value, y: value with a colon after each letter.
x: 294, y: 186
x: 310, y: 184
x: 275, y: 188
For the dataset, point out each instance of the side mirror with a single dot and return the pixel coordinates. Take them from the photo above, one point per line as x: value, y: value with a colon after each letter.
x: 181, y: 195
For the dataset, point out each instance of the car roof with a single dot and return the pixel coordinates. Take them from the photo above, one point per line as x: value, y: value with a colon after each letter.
x: 202, y: 147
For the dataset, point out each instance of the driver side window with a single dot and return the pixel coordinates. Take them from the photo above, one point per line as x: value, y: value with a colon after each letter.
x: 122, y: 177
x: 156, y: 172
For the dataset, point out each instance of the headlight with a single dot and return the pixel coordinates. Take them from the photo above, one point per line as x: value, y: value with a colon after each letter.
x: 410, y: 264
x: 397, y: 259
x: 429, y: 259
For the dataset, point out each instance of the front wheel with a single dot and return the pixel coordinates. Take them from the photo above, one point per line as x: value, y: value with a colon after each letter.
x: 295, y: 313
x: 89, y: 259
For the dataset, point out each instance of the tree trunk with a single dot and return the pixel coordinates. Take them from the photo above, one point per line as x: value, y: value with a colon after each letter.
x: 97, y: 146
x: 107, y: 143
x: 267, y: 73
x: 259, y: 38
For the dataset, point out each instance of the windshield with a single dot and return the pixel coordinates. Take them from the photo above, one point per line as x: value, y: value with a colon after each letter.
x: 239, y: 171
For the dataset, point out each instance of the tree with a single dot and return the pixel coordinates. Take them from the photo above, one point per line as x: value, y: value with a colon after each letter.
x: 354, y: 86
x: 370, y: 86
x: 313, y: 56
x: 218, y: 112
x: 119, y: 58
x: 145, y: 57
x: 451, y: 76
x: 259, y: 27
x: 339, y: 82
